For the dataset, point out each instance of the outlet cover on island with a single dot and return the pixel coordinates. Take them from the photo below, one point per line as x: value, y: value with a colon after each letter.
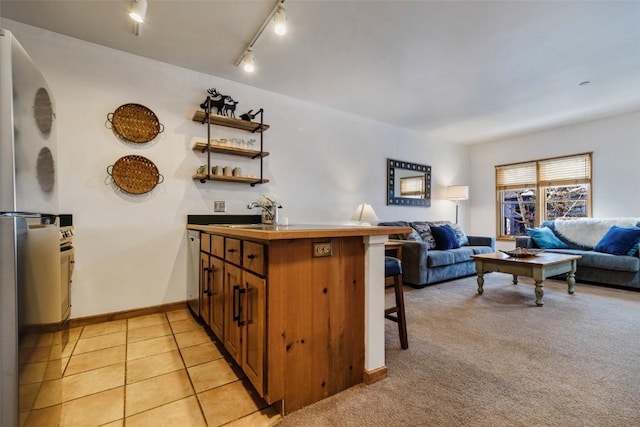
x: 219, y: 206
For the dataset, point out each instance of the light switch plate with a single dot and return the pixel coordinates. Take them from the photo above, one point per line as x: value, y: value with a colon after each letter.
x: 219, y: 206
x: 321, y: 249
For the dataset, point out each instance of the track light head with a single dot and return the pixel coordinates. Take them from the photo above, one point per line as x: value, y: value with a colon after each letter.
x: 138, y: 10
x: 248, y: 61
x: 280, y: 21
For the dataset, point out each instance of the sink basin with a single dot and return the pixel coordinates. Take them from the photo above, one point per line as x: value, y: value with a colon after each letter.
x: 255, y: 226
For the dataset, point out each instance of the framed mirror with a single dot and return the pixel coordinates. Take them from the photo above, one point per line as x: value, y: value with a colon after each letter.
x: 408, y: 184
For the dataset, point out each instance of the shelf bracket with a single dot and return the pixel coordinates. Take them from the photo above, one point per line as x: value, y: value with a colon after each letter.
x: 207, y: 115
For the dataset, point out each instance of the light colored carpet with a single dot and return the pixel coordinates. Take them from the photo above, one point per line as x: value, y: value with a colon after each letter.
x: 498, y: 360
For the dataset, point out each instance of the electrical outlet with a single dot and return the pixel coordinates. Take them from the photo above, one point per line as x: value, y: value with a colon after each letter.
x: 219, y: 206
x: 322, y: 249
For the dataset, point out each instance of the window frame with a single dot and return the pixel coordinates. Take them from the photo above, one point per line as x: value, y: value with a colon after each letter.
x: 523, y: 178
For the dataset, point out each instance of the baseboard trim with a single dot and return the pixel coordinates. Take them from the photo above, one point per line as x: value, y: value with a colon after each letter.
x: 370, y: 377
x: 126, y: 314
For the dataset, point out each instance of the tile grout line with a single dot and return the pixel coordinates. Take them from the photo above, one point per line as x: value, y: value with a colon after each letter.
x: 71, y: 353
x: 225, y: 357
x: 195, y: 394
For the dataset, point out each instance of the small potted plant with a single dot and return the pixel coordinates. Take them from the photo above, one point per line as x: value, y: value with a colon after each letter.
x: 269, y: 204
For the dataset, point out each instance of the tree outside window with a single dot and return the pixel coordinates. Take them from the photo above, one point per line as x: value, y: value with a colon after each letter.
x: 531, y: 192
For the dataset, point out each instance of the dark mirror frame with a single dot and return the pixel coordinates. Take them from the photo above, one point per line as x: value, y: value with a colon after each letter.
x: 392, y: 166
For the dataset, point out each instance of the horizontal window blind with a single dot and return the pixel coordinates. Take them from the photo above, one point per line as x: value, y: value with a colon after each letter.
x: 412, y: 186
x: 511, y: 177
x: 560, y: 171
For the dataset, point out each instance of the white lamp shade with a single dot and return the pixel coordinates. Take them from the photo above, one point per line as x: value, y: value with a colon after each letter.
x: 365, y: 214
x: 138, y: 10
x: 458, y: 192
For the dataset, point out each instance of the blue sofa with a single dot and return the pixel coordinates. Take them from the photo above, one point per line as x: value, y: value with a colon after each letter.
x: 423, y: 264
x: 581, y: 236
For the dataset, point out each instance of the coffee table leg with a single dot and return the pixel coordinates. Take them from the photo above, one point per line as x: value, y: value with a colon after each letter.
x: 571, y: 278
x: 539, y: 293
x: 480, y: 281
x: 515, y: 279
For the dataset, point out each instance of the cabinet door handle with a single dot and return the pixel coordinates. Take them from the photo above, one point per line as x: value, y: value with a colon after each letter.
x: 231, y: 250
x: 240, y: 321
x: 236, y: 303
x: 252, y: 256
x: 206, y: 290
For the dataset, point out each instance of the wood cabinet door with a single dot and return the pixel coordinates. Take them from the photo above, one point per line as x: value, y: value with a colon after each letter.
x: 253, y: 329
x: 233, y: 291
x: 217, y: 297
x: 205, y: 287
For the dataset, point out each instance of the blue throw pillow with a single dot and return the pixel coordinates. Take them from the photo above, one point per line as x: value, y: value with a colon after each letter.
x: 544, y: 238
x: 618, y: 240
x: 445, y: 237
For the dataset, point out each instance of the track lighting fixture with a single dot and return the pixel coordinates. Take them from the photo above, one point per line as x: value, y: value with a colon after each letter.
x: 280, y: 21
x: 138, y: 10
x: 248, y: 61
x: 279, y: 17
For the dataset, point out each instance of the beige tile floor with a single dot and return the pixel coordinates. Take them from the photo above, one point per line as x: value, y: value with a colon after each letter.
x: 155, y: 370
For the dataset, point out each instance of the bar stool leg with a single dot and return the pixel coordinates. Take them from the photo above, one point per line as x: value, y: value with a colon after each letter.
x: 399, y: 317
x: 402, y: 320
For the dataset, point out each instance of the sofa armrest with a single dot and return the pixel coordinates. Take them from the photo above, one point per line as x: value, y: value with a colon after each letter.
x: 414, y: 261
x: 482, y: 241
x: 525, y: 242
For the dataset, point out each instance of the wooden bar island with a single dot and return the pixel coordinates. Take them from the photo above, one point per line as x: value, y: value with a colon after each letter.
x: 300, y: 308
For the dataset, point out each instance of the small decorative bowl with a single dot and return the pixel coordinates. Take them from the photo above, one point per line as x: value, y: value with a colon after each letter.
x: 522, y: 252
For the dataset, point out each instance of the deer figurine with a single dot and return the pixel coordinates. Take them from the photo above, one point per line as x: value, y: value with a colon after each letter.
x: 216, y: 99
x: 230, y: 106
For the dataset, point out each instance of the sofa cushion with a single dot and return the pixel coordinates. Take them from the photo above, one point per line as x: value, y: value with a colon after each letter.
x: 445, y: 237
x: 460, y: 234
x: 618, y: 240
x: 481, y: 249
x: 602, y: 261
x: 424, y: 230
x: 437, y: 258
x: 544, y: 238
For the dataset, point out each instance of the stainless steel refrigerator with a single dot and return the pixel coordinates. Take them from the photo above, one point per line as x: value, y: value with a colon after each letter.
x: 30, y: 352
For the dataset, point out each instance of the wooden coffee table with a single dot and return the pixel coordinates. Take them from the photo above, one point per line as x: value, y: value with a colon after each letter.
x: 539, y: 267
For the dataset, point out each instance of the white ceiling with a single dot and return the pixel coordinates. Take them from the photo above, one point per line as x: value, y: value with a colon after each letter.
x: 459, y: 71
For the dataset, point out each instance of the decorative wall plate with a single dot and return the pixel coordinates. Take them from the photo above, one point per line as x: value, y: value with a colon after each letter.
x: 43, y: 111
x: 135, y: 123
x: 45, y: 170
x: 135, y: 174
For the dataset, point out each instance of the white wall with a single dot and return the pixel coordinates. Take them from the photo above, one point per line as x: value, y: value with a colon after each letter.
x: 131, y: 251
x: 616, y: 151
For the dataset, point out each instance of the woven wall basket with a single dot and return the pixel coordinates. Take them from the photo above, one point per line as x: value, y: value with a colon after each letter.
x: 135, y: 174
x: 135, y: 123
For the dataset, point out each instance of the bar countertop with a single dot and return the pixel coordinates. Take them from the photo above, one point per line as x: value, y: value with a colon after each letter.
x: 296, y: 231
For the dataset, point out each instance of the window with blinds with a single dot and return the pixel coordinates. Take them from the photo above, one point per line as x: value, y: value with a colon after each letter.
x: 534, y: 191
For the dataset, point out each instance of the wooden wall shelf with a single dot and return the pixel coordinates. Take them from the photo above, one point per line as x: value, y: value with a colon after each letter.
x: 230, y: 122
x: 208, y: 148
x: 201, y: 146
x: 243, y: 179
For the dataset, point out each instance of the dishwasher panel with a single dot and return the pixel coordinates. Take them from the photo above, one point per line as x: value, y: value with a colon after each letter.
x: 193, y: 271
